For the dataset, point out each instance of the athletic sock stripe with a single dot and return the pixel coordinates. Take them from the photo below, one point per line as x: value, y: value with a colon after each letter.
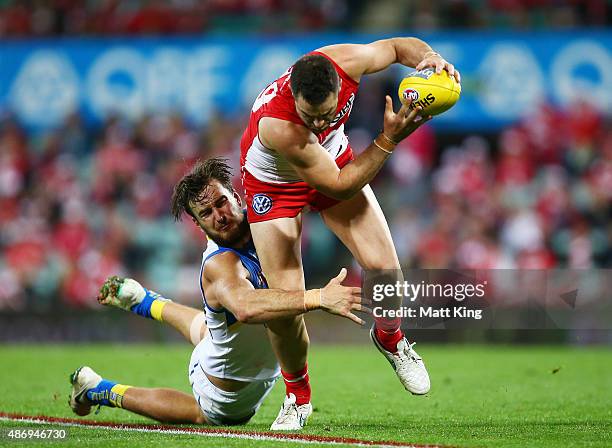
x: 296, y: 380
x: 389, y: 332
x: 156, y: 309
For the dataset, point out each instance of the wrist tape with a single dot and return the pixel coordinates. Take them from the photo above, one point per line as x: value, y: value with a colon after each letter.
x: 312, y: 299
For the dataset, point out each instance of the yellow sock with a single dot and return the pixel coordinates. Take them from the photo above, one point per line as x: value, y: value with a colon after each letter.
x: 156, y: 309
x: 116, y: 395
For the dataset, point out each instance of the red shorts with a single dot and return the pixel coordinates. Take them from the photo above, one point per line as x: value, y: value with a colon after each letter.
x: 267, y: 201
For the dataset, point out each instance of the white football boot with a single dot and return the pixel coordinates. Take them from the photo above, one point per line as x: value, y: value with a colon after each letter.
x: 292, y: 417
x: 83, y: 379
x: 121, y: 293
x: 408, y: 366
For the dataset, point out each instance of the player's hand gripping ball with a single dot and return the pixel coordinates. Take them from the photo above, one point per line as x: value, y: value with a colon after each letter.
x: 435, y: 93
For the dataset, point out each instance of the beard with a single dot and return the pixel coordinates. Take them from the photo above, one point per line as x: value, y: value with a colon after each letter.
x: 233, y: 238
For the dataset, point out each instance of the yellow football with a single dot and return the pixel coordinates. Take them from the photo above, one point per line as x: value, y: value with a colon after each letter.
x: 434, y: 93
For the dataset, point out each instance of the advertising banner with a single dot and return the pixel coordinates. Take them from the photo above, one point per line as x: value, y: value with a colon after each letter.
x: 505, y: 76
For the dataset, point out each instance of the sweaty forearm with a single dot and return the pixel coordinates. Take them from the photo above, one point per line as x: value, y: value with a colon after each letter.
x: 357, y: 174
x: 263, y: 305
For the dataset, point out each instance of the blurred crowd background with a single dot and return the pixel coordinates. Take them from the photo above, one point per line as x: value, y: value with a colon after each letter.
x: 137, y: 17
x: 79, y: 202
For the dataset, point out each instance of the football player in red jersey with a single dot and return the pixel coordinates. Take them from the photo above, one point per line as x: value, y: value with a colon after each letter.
x: 294, y: 153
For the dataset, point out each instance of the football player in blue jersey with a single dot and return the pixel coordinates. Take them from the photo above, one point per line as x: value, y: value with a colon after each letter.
x: 233, y: 366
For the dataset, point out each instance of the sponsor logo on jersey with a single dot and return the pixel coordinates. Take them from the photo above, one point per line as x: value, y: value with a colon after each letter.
x: 262, y: 203
x: 346, y: 109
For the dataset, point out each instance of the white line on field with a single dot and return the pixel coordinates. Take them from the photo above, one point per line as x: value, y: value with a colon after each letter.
x: 205, y: 432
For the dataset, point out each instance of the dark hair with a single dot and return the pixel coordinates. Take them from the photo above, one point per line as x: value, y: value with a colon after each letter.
x: 314, y: 78
x: 191, y: 187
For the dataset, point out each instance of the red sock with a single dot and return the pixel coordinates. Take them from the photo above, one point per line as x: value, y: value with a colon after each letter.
x: 297, y: 383
x: 388, y: 333
x: 389, y: 340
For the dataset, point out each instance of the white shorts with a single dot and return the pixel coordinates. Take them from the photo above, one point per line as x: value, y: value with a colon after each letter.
x: 226, y: 408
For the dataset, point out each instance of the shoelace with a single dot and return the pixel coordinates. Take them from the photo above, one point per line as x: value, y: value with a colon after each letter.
x: 411, y: 353
x: 287, y: 414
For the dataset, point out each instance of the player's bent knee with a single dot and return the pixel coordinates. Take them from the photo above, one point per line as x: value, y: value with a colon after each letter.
x: 195, y: 330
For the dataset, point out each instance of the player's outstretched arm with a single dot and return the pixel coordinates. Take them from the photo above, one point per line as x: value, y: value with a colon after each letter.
x: 226, y: 283
x: 129, y: 295
x: 358, y: 60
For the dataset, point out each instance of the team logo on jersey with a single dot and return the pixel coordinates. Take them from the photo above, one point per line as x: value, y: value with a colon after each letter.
x: 262, y: 203
x: 346, y: 109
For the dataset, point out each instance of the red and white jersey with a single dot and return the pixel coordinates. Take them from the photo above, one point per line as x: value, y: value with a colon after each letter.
x: 277, y: 101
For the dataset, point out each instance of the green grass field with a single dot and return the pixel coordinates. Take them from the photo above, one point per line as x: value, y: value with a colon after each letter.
x: 482, y: 396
